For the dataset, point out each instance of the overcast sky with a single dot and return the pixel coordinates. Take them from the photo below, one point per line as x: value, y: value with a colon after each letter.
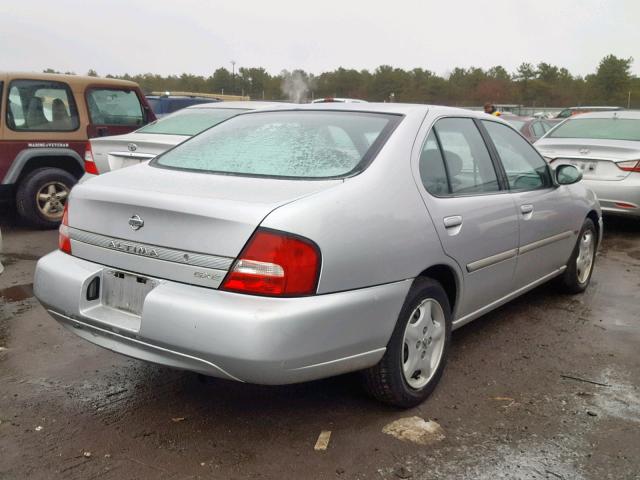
x: 198, y: 36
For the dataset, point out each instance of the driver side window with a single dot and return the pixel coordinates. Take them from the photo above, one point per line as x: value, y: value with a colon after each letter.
x: 525, y: 168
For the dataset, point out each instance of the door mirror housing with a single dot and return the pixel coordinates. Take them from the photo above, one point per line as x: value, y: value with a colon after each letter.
x: 567, y: 174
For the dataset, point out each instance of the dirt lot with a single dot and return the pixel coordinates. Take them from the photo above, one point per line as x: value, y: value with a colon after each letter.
x: 508, y: 405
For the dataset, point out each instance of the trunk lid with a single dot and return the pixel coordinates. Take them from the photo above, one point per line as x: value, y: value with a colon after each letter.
x: 120, y: 151
x: 596, y: 158
x: 196, y: 219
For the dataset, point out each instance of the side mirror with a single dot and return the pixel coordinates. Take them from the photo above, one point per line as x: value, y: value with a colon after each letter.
x: 567, y: 174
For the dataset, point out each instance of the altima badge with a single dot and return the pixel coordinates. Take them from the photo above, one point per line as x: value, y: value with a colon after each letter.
x: 136, y: 222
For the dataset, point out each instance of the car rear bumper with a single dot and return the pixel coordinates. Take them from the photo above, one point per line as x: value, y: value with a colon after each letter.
x: 228, y: 335
x: 618, y: 197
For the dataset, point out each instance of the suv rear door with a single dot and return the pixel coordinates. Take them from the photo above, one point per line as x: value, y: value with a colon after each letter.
x: 113, y: 110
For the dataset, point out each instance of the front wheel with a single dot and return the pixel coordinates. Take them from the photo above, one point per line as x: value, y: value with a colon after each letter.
x: 579, y: 269
x: 417, y: 351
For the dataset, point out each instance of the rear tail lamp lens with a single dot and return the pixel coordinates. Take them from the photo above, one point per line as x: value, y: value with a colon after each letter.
x: 64, y: 241
x: 275, y: 263
x: 630, y: 166
x: 89, y: 163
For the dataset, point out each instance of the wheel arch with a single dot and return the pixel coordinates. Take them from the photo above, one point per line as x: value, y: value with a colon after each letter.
x: 32, y: 159
x: 448, y: 278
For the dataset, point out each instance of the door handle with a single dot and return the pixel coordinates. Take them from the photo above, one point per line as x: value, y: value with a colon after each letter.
x: 453, y: 221
x: 526, y: 209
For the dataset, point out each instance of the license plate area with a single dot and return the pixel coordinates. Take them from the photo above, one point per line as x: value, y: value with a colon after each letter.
x: 585, y: 166
x: 126, y: 291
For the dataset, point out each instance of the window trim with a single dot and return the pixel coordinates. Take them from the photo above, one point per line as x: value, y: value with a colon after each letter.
x: 494, y: 150
x: 503, y: 186
x: 89, y: 88
x: 73, y: 106
x: 394, y: 120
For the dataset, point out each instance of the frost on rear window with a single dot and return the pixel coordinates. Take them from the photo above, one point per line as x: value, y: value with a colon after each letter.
x: 304, y: 144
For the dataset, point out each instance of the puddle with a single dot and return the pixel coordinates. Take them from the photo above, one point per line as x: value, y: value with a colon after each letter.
x: 12, y: 258
x: 17, y: 293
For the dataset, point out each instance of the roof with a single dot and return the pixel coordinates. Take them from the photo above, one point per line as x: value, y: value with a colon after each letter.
x: 72, y: 80
x: 246, y: 105
x: 392, y: 108
x: 628, y: 114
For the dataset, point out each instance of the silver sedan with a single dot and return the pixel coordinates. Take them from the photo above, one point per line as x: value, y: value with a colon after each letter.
x: 292, y: 244
x: 605, y: 146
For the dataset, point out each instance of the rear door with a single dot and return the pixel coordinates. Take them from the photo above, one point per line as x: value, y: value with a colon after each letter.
x: 115, y: 111
x: 545, y: 211
x: 472, y: 210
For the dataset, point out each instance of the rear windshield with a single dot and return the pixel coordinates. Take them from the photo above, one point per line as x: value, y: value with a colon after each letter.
x: 288, y: 144
x: 190, y: 121
x: 599, y: 128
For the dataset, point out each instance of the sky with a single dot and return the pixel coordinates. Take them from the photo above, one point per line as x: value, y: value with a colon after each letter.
x: 198, y: 36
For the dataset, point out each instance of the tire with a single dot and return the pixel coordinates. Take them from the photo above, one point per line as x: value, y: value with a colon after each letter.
x: 575, y: 278
x: 31, y: 197
x: 387, y: 381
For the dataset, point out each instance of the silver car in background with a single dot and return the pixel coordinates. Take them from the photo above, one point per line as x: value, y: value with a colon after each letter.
x: 292, y: 244
x: 104, y: 154
x: 605, y: 146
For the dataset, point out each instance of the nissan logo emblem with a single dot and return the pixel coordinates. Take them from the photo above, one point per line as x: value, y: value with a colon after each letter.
x: 136, y: 222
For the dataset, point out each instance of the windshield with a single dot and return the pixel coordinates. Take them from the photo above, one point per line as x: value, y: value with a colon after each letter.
x: 190, y: 121
x: 599, y: 128
x: 290, y: 144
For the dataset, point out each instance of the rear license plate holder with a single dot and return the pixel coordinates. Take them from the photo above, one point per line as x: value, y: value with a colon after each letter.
x: 585, y: 166
x: 126, y: 291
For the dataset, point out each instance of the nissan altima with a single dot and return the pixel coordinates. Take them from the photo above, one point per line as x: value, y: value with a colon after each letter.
x: 296, y: 243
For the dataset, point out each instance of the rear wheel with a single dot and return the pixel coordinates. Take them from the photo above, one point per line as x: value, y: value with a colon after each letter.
x: 418, y: 348
x: 42, y: 195
x: 577, y: 275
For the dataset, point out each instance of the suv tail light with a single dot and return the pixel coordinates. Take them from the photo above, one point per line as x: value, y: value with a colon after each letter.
x: 64, y: 242
x: 275, y: 264
x: 89, y: 164
x: 629, y: 166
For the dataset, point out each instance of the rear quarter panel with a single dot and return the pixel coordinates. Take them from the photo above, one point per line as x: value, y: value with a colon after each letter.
x: 373, y: 229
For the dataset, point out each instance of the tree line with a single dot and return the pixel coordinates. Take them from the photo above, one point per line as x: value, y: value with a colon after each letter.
x: 541, y: 85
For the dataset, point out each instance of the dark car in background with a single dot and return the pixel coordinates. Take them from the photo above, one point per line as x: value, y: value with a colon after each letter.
x: 531, y: 128
x: 165, y: 104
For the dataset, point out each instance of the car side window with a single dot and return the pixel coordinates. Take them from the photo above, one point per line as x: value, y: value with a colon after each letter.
x: 110, y: 106
x: 538, y: 129
x: 468, y: 163
x: 40, y: 105
x: 432, y: 171
x: 525, y: 168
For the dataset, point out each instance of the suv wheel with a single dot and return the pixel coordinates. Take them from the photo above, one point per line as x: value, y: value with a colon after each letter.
x: 41, y: 196
x: 418, y: 349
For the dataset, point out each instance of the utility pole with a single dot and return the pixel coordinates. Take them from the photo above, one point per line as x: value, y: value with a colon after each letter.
x: 233, y: 77
x: 629, y: 100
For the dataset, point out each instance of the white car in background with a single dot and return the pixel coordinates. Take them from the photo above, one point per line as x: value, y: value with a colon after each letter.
x: 105, y: 154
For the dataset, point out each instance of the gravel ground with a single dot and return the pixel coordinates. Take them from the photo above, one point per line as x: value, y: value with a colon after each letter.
x: 545, y: 387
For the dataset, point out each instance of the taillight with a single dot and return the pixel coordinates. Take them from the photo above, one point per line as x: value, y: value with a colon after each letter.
x: 629, y: 166
x: 89, y: 164
x: 275, y: 263
x: 64, y: 242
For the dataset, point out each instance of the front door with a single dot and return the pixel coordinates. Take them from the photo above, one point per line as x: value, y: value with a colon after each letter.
x: 546, y: 220
x: 473, y: 212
